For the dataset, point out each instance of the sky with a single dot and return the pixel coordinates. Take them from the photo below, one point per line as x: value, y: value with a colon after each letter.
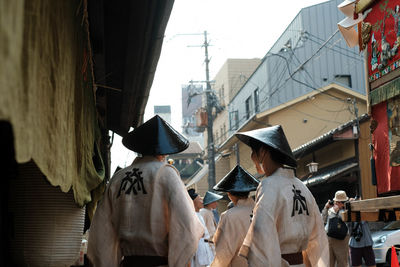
x: 235, y: 29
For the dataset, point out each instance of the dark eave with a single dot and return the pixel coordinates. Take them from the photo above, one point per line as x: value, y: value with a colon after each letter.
x: 329, y: 174
x: 126, y: 39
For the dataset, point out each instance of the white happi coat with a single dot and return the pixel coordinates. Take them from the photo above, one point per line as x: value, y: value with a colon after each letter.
x: 286, y: 220
x: 231, y: 231
x: 145, y: 211
x: 204, y: 254
x: 209, y: 220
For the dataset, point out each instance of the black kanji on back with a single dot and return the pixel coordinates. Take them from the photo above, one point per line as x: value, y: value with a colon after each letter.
x: 299, y: 202
x: 134, y: 185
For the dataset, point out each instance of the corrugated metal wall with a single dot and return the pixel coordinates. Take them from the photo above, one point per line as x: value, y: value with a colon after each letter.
x: 302, y: 39
x: 47, y: 224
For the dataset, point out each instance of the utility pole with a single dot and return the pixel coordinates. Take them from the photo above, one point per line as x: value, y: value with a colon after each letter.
x: 210, y: 119
x: 209, y: 107
x: 356, y: 147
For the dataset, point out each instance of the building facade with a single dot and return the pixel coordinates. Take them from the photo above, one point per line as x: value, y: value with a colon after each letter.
x: 164, y: 112
x: 343, y: 159
x: 228, y: 81
x: 308, y: 55
x: 300, y: 120
x: 192, y: 102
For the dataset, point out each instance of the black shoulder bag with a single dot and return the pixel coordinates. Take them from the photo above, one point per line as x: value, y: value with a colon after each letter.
x: 356, y: 231
x: 337, y: 228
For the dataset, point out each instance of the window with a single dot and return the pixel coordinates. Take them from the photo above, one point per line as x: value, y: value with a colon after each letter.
x: 256, y: 101
x: 343, y: 79
x: 249, y: 107
x: 224, y: 131
x: 222, y: 96
x: 233, y: 120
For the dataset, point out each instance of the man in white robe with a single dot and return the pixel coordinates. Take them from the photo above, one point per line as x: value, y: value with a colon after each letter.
x: 146, y: 217
x: 286, y: 218
x: 204, y: 254
x: 210, y: 204
x: 234, y: 222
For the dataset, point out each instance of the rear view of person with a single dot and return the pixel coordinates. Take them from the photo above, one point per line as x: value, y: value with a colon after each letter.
x: 234, y: 222
x: 204, y: 254
x: 210, y: 204
x: 286, y: 218
x: 146, y: 217
x: 361, y: 244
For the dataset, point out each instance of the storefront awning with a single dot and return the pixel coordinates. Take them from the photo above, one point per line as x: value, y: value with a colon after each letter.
x: 329, y: 174
x: 203, y: 171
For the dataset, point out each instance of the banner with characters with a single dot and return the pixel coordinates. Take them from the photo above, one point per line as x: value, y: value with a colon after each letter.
x: 383, y: 54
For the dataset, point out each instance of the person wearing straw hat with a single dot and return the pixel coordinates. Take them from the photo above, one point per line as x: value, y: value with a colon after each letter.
x: 234, y: 222
x: 210, y: 203
x: 286, y: 218
x: 146, y: 217
x: 204, y: 254
x: 338, y: 248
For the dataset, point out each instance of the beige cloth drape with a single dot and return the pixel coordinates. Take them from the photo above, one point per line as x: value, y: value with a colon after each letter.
x: 47, y: 93
x: 146, y: 211
x: 231, y: 231
x: 286, y: 220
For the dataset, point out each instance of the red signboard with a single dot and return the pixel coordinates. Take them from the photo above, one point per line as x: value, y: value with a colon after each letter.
x: 383, y: 54
x: 386, y: 153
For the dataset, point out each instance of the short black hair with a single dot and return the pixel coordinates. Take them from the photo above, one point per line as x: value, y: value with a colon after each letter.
x: 275, y: 154
x: 240, y: 194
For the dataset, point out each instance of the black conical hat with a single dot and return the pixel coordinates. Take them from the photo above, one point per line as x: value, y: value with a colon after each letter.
x: 237, y: 180
x: 273, y: 137
x: 155, y: 137
x: 210, y: 197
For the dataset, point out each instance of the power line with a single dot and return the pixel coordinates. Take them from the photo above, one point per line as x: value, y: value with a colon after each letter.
x: 305, y: 70
x: 298, y: 81
x: 341, y: 53
x: 300, y: 67
x: 308, y: 34
x: 344, y: 49
x: 316, y: 52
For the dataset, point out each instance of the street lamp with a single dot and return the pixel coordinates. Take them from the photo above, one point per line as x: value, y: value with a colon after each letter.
x: 312, y: 167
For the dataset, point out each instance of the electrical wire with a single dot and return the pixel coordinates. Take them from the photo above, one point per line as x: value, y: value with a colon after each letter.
x: 334, y: 50
x: 303, y: 83
x: 305, y: 70
x: 342, y: 48
x: 291, y: 74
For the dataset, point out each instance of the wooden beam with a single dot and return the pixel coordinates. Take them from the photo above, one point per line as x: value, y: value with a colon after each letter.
x: 376, y: 204
x: 369, y: 216
x: 375, y: 209
x: 363, y: 5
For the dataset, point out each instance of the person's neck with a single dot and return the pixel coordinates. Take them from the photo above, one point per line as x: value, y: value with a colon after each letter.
x: 233, y: 198
x: 272, y: 167
x: 160, y: 158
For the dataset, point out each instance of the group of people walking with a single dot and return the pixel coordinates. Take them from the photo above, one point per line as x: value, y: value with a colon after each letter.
x: 148, y: 218
x: 225, y: 238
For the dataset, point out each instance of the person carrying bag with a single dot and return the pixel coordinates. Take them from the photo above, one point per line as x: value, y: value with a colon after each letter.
x: 337, y: 230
